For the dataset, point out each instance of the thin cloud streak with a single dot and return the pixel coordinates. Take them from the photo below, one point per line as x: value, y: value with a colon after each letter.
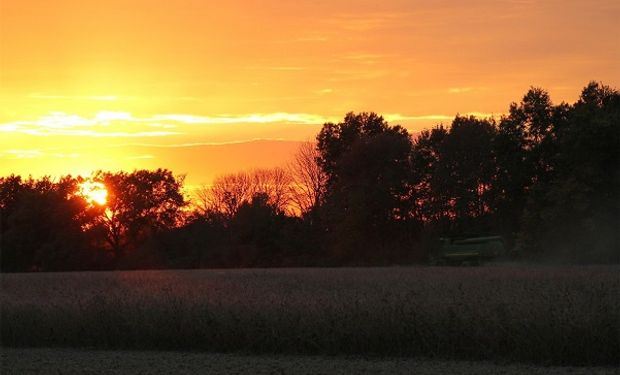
x: 22, y: 154
x: 252, y: 118
x: 201, y: 144
x: 459, y: 90
x: 107, y: 98
x: 116, y: 124
x: 399, y: 117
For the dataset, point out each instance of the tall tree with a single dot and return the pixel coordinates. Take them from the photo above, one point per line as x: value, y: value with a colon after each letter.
x: 367, y: 163
x: 465, y: 171
x: 431, y: 206
x: 574, y: 214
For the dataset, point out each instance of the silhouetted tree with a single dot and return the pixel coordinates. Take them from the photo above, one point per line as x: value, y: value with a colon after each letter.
x: 367, y: 163
x: 139, y: 204
x: 308, y: 179
x: 545, y: 175
x: 574, y: 213
x: 43, y: 225
x: 229, y: 192
x: 464, y: 172
x: 513, y: 175
x: 430, y: 205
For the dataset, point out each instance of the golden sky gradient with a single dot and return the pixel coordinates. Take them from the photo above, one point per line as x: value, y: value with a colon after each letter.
x: 206, y: 87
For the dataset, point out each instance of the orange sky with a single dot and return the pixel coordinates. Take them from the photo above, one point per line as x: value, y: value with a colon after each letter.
x: 206, y: 87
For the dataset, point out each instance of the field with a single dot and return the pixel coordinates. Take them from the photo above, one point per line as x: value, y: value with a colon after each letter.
x: 505, y: 314
x: 20, y: 361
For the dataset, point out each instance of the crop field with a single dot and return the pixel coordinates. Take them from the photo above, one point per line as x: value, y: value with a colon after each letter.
x: 507, y: 314
x: 70, y: 361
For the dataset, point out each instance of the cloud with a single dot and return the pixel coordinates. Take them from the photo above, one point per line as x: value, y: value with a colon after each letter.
x: 106, y: 98
x: 287, y: 68
x: 316, y: 38
x: 251, y: 118
x: 22, y: 154
x: 139, y: 157
x: 459, y: 90
x: 201, y: 144
x: 365, y: 58
x: 125, y: 124
x: 111, y: 124
x: 36, y: 153
x: 102, y: 124
x: 293, y: 68
x: 324, y: 91
x: 399, y: 117
x: 367, y: 22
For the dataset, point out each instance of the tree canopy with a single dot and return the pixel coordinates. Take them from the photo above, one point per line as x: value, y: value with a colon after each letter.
x: 544, y: 176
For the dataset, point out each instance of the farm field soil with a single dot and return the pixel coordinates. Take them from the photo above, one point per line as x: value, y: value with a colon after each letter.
x: 77, y: 361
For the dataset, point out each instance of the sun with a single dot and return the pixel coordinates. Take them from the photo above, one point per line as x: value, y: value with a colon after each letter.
x: 94, y: 192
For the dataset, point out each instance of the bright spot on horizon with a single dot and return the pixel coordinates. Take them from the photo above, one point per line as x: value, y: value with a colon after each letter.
x: 94, y: 192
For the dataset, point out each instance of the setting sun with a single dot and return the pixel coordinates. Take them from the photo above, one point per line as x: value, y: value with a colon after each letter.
x: 205, y: 88
x: 94, y: 192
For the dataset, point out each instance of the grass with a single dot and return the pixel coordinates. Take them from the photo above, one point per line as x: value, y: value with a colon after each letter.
x: 545, y: 315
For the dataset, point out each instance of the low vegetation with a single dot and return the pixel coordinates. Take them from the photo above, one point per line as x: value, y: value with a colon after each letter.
x: 545, y: 315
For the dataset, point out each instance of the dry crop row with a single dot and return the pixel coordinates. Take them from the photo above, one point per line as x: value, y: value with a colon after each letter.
x: 559, y: 315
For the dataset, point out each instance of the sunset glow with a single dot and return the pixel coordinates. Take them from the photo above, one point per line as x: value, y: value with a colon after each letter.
x: 205, y: 88
x: 94, y: 192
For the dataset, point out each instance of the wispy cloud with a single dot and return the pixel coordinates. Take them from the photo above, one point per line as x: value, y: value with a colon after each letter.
x: 22, y: 154
x: 111, y: 98
x: 399, y: 117
x: 364, y: 58
x: 251, y: 118
x: 287, y: 68
x: 139, y: 157
x: 459, y: 90
x: 125, y: 124
x: 438, y: 117
x: 203, y: 144
x: 316, y: 38
x: 102, y: 124
x: 358, y: 75
x: 112, y: 124
x: 278, y: 68
x: 368, y: 21
x: 106, y: 98
x: 36, y: 153
x: 324, y: 91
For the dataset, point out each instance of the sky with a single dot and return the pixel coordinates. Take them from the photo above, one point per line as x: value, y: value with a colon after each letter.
x: 211, y: 87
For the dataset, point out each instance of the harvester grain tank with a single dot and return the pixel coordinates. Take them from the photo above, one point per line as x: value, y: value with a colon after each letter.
x: 472, y: 250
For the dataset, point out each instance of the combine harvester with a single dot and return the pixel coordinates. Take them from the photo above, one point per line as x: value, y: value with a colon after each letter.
x: 472, y: 250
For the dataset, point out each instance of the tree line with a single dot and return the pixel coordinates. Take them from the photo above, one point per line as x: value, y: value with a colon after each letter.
x: 545, y: 176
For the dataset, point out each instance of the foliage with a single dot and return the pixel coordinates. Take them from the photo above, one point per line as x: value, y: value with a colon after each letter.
x: 42, y: 225
x: 367, y: 164
x: 139, y: 204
